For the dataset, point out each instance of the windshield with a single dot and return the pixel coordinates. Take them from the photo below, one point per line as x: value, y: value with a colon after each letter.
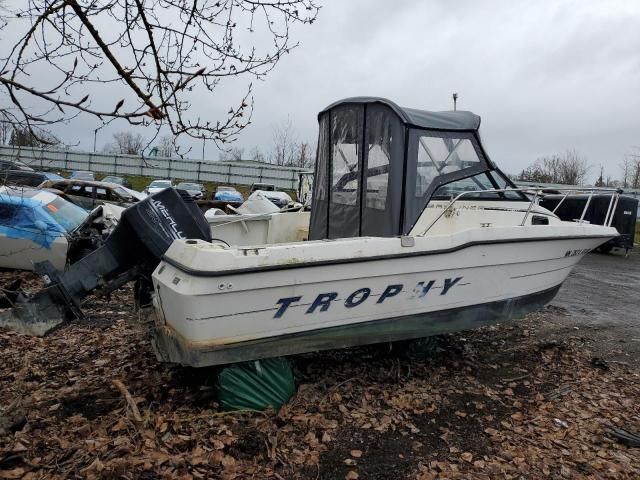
x: 134, y: 193
x: 469, y: 184
x: 123, y: 193
x: 68, y: 215
x: 160, y: 184
x: 189, y: 186
x: 82, y: 175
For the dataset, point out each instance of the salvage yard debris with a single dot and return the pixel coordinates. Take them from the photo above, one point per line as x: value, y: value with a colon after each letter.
x: 37, y: 225
x: 481, y: 408
x: 131, y: 252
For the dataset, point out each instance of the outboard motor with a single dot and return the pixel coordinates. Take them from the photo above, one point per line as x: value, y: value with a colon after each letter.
x: 132, y: 251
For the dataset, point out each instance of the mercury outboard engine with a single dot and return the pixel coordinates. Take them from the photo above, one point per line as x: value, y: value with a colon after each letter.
x: 132, y: 251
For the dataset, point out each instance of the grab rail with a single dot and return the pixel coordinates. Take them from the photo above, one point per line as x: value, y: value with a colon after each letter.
x: 615, y: 194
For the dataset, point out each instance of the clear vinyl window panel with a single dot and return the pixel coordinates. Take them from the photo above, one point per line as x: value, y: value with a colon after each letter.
x: 346, y: 146
x: 344, y: 181
x: 384, y: 141
x: 440, y: 156
x: 377, y: 177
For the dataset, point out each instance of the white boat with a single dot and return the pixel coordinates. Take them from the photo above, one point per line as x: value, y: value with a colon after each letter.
x: 413, y: 232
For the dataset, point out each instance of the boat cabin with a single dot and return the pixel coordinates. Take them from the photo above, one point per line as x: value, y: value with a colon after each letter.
x: 378, y: 166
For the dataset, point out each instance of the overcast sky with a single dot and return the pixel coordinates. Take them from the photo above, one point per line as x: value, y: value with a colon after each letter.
x: 544, y: 76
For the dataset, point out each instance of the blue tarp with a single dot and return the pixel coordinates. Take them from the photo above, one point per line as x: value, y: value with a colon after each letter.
x: 26, y: 218
x: 228, y: 196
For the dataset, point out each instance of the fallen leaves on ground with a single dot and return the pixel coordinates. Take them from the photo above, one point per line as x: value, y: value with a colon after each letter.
x: 502, y: 401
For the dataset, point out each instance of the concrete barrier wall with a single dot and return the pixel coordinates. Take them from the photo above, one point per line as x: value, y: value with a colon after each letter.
x: 238, y: 173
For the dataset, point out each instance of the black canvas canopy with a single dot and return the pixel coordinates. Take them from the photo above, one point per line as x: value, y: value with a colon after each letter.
x: 456, y: 120
x: 379, y: 164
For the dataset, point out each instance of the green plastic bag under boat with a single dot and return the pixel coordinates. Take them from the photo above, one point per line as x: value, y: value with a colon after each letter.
x: 256, y: 385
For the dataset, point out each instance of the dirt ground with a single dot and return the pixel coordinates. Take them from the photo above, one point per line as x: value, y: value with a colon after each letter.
x: 600, y: 305
x: 532, y: 399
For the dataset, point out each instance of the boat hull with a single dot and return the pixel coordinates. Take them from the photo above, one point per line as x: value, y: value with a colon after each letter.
x: 172, y: 348
x: 207, y: 317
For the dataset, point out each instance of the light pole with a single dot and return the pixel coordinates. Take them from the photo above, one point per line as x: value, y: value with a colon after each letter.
x: 95, y: 136
x: 204, y: 141
x: 455, y: 101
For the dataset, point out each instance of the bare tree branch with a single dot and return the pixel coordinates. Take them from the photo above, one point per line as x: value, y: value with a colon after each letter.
x: 161, y: 54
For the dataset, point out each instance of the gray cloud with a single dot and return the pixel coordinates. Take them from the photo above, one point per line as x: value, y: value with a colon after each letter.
x: 545, y: 76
